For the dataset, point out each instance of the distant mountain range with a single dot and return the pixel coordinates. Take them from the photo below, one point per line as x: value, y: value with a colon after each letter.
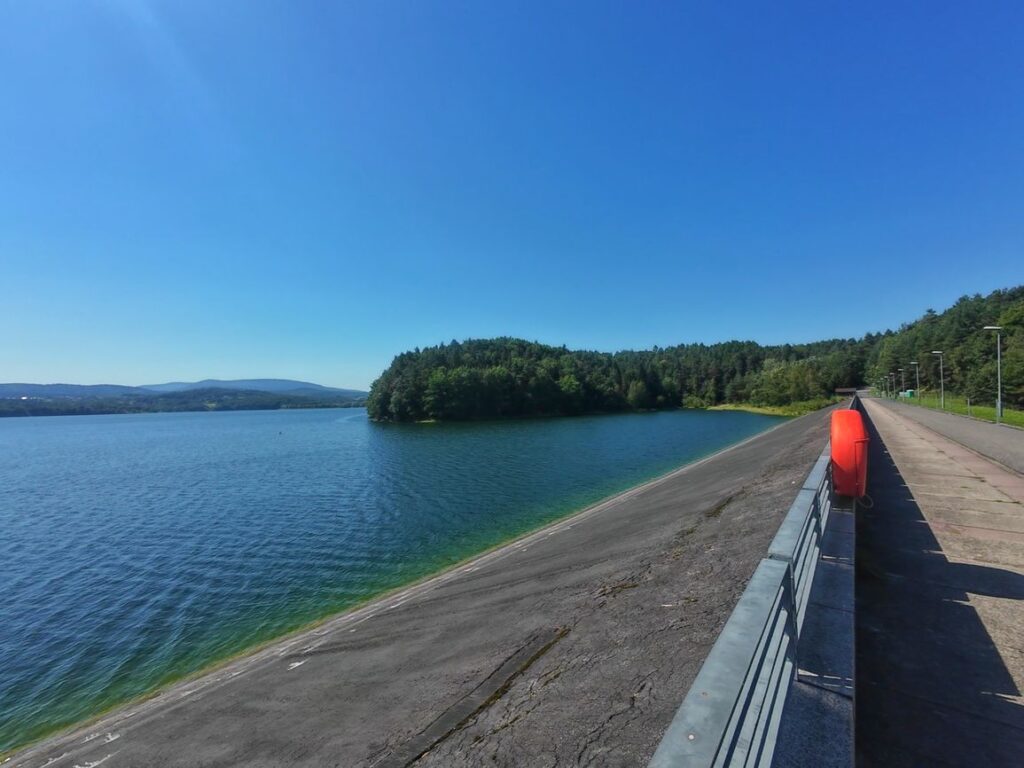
x: 276, y: 386
x: 208, y: 395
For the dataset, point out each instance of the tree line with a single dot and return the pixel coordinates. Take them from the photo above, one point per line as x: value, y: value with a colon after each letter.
x: 969, y: 351
x: 508, y: 377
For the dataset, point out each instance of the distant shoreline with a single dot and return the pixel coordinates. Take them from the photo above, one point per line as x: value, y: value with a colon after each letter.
x: 21, y: 409
x: 25, y: 399
x: 791, y: 410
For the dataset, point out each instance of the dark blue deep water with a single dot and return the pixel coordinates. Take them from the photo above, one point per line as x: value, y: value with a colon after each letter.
x: 137, y: 549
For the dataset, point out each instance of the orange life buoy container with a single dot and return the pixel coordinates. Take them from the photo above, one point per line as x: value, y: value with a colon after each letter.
x: 849, y: 454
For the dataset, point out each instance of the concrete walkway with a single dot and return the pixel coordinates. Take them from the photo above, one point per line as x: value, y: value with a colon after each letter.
x: 940, y: 617
x: 996, y: 441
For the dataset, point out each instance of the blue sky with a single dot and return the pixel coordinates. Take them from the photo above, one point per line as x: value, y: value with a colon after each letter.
x: 235, y: 189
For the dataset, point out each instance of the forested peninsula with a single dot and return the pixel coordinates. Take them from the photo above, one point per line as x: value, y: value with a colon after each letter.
x: 508, y: 378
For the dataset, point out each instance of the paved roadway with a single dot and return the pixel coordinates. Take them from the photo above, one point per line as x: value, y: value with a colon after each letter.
x: 997, y: 441
x: 940, y: 595
x: 572, y: 647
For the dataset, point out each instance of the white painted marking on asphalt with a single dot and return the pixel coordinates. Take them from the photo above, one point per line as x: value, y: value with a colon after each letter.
x: 285, y: 648
x: 89, y: 738
x: 94, y: 763
x: 295, y: 664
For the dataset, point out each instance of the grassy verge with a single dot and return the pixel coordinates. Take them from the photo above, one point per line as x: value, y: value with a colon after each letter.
x: 958, y: 404
x: 792, y: 409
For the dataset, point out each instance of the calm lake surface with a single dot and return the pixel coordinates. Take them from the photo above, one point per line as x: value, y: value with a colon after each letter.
x: 137, y: 549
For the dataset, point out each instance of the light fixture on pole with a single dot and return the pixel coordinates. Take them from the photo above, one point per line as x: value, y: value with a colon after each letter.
x: 903, y: 381
x: 917, y: 376
x: 999, y: 370
x: 942, y: 380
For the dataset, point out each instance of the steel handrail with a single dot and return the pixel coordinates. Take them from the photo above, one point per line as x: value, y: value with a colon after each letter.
x: 732, y: 712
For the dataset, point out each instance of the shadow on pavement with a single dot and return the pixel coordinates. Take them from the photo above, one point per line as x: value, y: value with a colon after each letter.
x: 931, y: 684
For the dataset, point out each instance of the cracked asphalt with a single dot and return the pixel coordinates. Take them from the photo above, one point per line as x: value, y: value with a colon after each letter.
x: 571, y: 647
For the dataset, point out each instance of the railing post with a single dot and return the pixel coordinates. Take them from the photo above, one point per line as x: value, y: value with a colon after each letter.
x: 792, y: 606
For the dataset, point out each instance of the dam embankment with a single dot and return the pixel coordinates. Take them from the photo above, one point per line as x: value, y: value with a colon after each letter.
x: 570, y: 646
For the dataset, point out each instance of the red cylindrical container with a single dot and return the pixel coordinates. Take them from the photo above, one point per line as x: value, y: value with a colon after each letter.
x: 849, y: 454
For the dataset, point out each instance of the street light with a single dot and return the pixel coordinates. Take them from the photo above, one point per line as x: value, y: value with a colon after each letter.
x: 942, y: 380
x: 917, y: 375
x: 892, y: 384
x: 903, y: 380
x: 999, y: 370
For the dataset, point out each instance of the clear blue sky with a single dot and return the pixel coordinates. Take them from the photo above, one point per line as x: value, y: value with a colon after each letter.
x: 229, y: 189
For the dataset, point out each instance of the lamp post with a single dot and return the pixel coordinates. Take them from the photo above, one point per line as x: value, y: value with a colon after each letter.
x: 892, y: 384
x: 903, y: 381
x: 999, y: 370
x: 942, y: 381
x: 917, y: 377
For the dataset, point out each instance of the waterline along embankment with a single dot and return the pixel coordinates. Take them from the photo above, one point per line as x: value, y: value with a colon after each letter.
x: 141, y: 550
x: 576, y: 640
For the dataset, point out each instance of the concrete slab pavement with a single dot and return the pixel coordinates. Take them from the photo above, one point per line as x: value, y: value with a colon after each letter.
x: 995, y: 441
x: 940, y: 601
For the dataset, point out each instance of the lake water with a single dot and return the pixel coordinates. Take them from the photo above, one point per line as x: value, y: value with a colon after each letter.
x: 137, y: 549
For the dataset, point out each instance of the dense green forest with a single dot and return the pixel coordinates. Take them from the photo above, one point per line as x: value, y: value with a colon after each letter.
x: 506, y: 377
x: 212, y: 399
x: 969, y: 352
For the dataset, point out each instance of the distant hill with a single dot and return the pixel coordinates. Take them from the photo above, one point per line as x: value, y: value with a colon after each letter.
x: 67, y: 390
x: 19, y: 399
x: 278, y: 386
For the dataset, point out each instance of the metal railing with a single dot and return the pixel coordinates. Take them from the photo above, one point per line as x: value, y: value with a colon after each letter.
x: 731, y: 715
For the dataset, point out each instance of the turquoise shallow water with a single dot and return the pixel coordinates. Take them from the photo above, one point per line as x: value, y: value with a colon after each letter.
x: 138, y: 549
